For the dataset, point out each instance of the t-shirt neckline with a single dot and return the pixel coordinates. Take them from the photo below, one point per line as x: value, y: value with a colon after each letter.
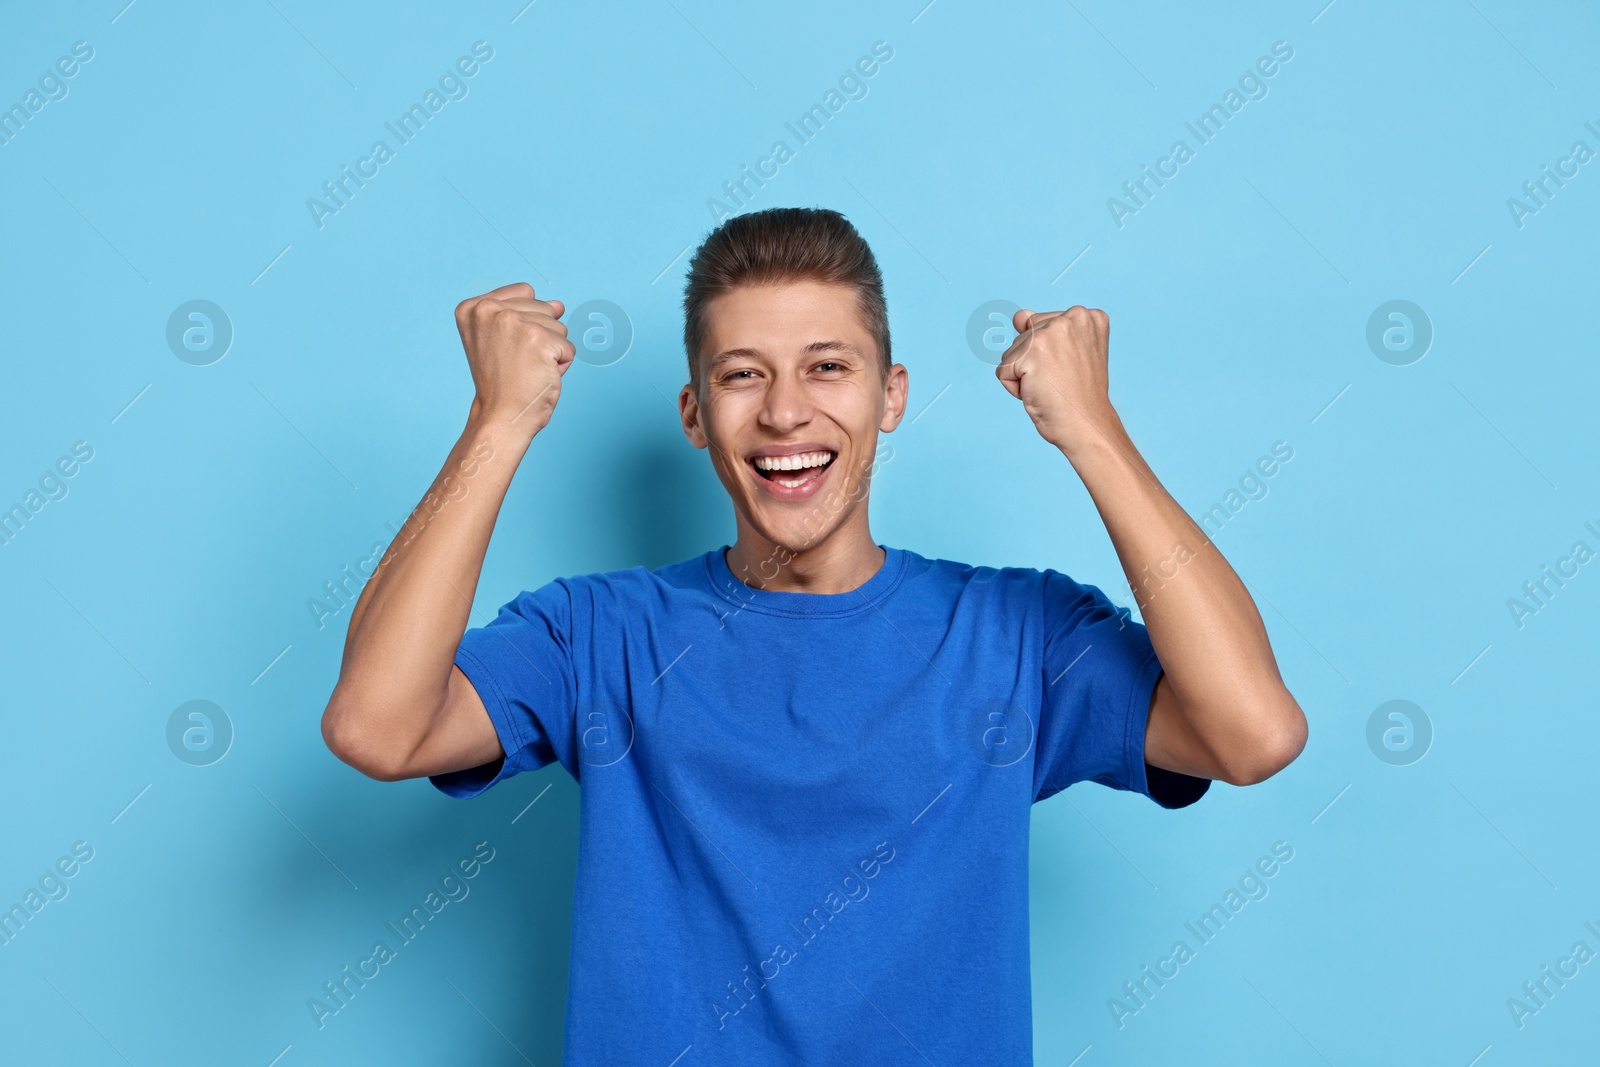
x: 811, y: 605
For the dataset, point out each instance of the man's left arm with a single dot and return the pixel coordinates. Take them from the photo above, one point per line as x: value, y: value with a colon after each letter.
x: 1220, y: 709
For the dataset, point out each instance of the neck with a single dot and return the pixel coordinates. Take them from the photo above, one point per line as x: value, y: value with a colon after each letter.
x: 840, y: 562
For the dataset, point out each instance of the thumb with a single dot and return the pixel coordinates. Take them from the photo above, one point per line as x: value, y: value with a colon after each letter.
x: 1022, y: 319
x: 560, y: 308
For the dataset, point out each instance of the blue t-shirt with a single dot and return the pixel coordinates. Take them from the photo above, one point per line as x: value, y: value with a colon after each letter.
x: 804, y: 816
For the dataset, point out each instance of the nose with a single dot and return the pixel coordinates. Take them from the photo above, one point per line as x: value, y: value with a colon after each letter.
x: 786, y: 404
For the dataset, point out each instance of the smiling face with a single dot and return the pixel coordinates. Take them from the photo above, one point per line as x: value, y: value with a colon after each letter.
x: 791, y: 402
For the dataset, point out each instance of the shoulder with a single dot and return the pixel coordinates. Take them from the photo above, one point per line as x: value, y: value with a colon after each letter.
x: 978, y: 572
x: 1065, y: 601
x: 976, y: 580
x: 638, y: 587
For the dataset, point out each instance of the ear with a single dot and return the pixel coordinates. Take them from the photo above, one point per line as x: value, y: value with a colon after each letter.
x: 689, y: 413
x: 896, y: 390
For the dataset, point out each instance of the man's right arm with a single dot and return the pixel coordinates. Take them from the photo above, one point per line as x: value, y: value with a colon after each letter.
x: 401, y: 708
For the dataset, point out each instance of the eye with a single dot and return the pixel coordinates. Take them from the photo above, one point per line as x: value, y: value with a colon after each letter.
x: 831, y: 363
x: 734, y: 375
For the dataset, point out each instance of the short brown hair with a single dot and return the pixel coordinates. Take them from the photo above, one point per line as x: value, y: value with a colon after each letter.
x: 783, y: 244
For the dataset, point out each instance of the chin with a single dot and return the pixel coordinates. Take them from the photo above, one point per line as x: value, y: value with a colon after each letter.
x: 795, y: 536
x: 791, y: 537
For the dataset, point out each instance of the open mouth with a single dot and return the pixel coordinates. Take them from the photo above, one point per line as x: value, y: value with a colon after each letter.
x: 794, y: 471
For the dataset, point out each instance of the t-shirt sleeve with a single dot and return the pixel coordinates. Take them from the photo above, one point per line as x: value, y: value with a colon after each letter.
x: 1100, y: 671
x: 521, y: 664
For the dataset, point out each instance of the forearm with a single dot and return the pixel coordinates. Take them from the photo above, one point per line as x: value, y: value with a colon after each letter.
x: 408, y: 621
x: 1205, y: 627
x: 1220, y: 709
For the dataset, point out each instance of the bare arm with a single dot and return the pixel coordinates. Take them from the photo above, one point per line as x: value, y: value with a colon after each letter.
x: 401, y: 708
x: 1220, y: 709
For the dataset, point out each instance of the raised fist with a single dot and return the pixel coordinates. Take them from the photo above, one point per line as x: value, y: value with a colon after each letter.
x: 1057, y: 367
x: 518, y: 350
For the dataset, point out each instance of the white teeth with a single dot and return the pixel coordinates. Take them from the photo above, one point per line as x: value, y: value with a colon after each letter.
x: 792, y: 463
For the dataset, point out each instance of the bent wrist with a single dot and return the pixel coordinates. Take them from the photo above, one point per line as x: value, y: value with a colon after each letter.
x: 1097, y: 440
x: 505, y: 429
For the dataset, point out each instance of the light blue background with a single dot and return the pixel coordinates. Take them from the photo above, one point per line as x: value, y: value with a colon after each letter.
x: 978, y: 166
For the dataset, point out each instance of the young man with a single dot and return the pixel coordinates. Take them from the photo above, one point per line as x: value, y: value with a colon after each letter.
x: 807, y: 759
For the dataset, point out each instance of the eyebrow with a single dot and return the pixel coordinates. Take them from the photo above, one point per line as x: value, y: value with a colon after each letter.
x: 814, y: 346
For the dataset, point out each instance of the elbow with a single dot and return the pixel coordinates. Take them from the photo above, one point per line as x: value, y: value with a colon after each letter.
x: 1277, y: 743
x: 343, y: 735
